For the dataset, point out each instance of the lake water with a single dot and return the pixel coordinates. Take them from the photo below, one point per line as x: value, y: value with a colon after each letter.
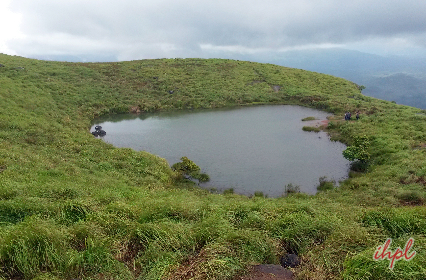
x: 261, y: 148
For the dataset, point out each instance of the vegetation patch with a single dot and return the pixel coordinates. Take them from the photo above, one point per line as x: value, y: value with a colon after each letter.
x: 311, y: 128
x: 309, y: 119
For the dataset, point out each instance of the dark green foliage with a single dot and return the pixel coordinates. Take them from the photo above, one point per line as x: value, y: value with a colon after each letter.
x: 189, y: 168
x: 11, y: 212
x: 359, y: 151
x: 73, y: 213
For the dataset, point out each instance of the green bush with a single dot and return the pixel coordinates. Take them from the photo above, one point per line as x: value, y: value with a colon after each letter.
x: 189, y: 168
x: 359, y: 152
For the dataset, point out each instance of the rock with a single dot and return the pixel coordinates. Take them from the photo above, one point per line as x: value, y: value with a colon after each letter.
x: 290, y: 260
x: 171, y: 91
x: 98, y: 131
x: 1, y: 65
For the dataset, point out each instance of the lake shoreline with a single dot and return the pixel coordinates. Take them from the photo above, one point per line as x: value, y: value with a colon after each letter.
x: 248, y: 149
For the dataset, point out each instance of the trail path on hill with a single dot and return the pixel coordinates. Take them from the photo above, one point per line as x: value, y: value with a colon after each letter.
x: 268, y: 272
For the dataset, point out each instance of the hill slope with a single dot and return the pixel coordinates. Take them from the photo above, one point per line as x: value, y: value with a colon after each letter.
x: 72, y: 206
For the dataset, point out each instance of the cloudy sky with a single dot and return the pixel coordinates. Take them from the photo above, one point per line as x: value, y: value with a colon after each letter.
x: 132, y: 29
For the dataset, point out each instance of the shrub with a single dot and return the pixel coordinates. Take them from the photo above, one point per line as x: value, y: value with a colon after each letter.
x: 189, y: 168
x: 358, y: 151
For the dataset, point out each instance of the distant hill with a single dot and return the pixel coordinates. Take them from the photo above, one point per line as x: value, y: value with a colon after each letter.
x: 393, y: 78
x: 401, y: 88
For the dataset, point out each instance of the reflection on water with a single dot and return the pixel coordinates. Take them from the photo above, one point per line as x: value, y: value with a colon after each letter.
x: 250, y: 149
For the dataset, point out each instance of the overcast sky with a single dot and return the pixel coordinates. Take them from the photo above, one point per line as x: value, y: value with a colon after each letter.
x: 131, y: 29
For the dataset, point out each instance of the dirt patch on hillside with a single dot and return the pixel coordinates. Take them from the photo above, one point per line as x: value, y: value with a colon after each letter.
x: 317, y: 123
x: 268, y: 272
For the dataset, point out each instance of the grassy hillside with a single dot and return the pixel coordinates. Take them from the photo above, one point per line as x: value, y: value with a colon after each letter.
x: 72, y: 206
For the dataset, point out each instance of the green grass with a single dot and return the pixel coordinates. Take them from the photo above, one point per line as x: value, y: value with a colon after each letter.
x: 311, y: 128
x: 309, y: 119
x: 72, y: 206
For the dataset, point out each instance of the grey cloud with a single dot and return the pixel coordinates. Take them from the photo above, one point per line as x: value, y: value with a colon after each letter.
x: 177, y: 28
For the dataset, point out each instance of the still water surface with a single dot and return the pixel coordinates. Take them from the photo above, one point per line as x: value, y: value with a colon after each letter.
x: 249, y: 149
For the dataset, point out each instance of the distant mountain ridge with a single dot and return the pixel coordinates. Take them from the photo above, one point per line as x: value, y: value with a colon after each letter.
x: 401, y: 88
x: 399, y: 79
